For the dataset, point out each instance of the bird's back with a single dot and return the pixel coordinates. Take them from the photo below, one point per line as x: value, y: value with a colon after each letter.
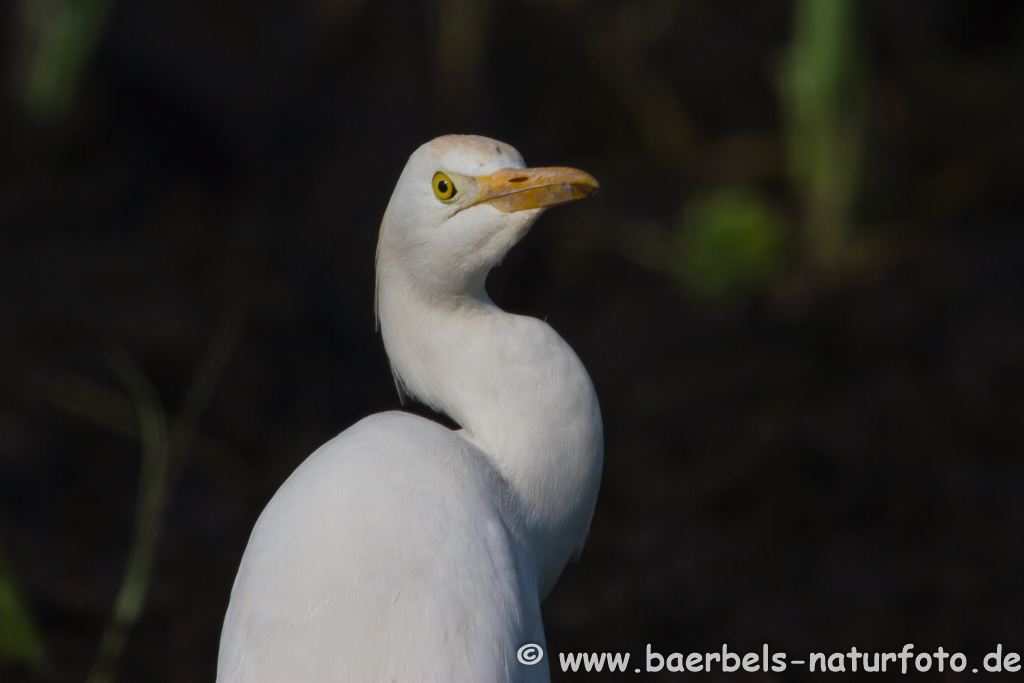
x: 391, y: 553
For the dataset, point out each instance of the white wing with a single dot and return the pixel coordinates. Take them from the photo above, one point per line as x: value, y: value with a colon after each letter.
x: 390, y: 554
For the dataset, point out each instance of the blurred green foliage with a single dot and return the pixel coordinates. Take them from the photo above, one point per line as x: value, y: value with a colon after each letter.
x: 822, y: 90
x: 166, y: 445
x: 617, y: 47
x: 460, y: 39
x: 729, y: 245
x: 153, y: 495
x: 731, y: 242
x: 20, y: 641
x: 57, y: 40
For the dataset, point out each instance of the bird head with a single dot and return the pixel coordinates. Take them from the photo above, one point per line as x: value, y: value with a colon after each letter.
x: 460, y: 204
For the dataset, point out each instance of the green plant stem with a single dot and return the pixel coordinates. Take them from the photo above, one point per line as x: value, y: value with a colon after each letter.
x: 822, y: 92
x: 152, y: 499
x: 163, y: 457
x: 19, y: 638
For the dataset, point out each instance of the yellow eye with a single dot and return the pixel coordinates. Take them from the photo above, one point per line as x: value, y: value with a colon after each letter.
x: 444, y: 188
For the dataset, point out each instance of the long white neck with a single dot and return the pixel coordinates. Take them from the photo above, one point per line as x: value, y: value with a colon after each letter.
x: 520, y: 394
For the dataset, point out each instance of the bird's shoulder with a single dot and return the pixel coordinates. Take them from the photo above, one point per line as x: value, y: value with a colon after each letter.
x: 388, y: 476
x: 395, y: 452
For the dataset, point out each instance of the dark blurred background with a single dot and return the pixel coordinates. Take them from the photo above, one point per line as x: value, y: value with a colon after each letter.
x: 800, y: 296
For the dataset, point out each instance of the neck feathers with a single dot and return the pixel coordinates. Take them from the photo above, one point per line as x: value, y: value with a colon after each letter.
x: 521, y: 395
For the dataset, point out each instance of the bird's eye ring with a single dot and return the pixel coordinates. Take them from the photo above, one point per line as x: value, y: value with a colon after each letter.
x: 444, y: 188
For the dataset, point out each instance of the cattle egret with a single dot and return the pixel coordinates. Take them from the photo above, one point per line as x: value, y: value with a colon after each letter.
x: 402, y: 550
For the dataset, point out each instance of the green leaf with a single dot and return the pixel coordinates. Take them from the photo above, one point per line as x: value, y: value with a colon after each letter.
x: 730, y: 244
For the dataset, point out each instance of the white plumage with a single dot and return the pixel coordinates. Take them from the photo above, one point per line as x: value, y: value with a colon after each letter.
x: 402, y: 550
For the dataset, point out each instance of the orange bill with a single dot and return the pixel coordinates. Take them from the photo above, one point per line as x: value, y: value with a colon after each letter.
x: 518, y: 189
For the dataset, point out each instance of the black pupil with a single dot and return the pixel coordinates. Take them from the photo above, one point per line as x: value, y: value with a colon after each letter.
x: 442, y: 185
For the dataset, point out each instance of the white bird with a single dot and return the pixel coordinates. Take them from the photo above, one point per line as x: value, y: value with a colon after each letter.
x: 402, y: 550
